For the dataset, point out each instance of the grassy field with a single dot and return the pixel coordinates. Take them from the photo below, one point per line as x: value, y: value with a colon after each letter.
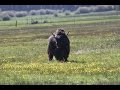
x: 94, y: 56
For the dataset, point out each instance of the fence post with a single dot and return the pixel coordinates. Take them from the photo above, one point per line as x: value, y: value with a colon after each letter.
x: 16, y: 23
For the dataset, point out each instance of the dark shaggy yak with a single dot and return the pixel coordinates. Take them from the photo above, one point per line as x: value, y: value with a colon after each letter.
x: 59, y: 46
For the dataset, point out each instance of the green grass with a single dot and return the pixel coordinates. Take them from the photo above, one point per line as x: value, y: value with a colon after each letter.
x: 78, y: 19
x: 94, y: 56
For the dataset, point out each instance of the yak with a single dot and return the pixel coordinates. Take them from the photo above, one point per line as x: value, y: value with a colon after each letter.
x: 59, y: 46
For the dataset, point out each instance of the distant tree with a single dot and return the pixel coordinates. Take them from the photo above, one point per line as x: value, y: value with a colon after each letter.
x: 56, y: 15
x: 34, y: 22
x: 49, y: 11
x: 37, y: 7
x: 67, y: 13
x: 34, y: 12
x: 10, y: 13
x: 21, y: 14
x: 6, y: 17
x: 117, y: 7
x: 42, y: 11
x: 61, y: 11
x: 45, y: 21
x: 101, y: 8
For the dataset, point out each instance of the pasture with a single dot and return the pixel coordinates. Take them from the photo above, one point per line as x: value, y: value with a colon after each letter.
x: 94, y: 56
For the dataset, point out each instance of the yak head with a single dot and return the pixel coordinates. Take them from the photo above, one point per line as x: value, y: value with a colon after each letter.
x: 60, y: 38
x: 60, y: 32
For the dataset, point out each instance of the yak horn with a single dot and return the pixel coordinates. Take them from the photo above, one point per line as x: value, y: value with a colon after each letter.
x: 53, y: 34
x: 68, y: 32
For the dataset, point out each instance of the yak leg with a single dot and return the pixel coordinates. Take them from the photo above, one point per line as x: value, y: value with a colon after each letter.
x: 58, y: 54
x: 65, y: 56
x: 50, y: 55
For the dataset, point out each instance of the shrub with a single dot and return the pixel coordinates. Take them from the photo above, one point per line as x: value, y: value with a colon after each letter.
x: 85, y: 10
x: 42, y: 11
x: 4, y: 16
x: 48, y: 11
x: 10, y: 13
x: 67, y: 13
x: 34, y: 12
x: 55, y: 14
x: 45, y: 21
x: 60, y: 11
x: 21, y: 14
x: 34, y: 22
x: 101, y: 8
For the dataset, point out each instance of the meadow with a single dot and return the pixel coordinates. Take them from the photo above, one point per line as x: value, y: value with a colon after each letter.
x: 94, y: 57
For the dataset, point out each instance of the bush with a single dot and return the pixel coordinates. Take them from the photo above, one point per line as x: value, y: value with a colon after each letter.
x: 34, y: 22
x: 42, y: 11
x: 101, y: 8
x: 10, y: 13
x: 85, y: 10
x: 34, y: 12
x: 56, y: 15
x: 48, y: 11
x: 21, y: 14
x: 4, y: 16
x: 60, y: 11
x: 45, y: 21
x: 67, y: 13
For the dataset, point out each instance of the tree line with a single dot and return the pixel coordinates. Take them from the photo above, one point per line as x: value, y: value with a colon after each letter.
x: 9, y: 11
x: 55, y: 7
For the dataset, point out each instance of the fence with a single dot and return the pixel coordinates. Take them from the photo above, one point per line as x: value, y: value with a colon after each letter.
x: 49, y: 21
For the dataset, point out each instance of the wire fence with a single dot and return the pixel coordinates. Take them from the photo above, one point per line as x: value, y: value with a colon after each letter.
x: 46, y: 21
